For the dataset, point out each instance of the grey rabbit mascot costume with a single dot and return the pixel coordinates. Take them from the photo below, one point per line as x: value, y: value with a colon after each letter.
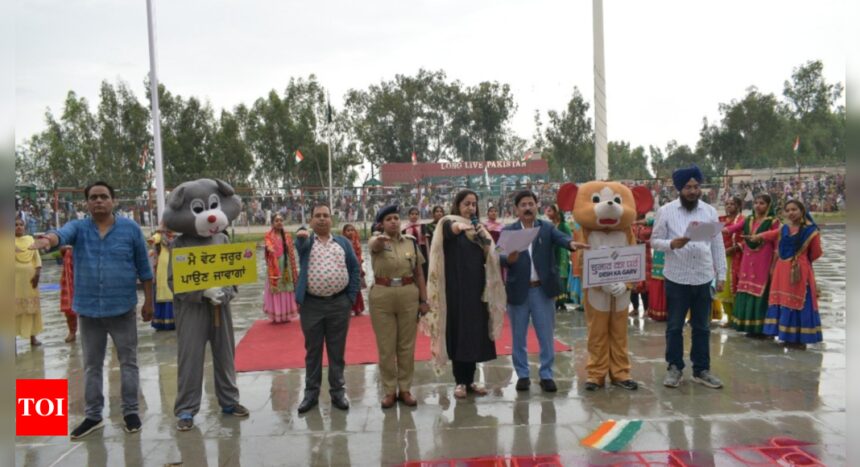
x: 199, y: 212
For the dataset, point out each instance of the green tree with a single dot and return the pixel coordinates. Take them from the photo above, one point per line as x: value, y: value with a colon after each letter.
x: 231, y: 157
x: 680, y: 155
x: 658, y: 162
x: 570, y: 141
x: 71, y: 144
x: 815, y: 117
x: 491, y: 106
x: 431, y: 116
x: 123, y: 135
x: 752, y: 133
x: 626, y: 163
x: 276, y: 127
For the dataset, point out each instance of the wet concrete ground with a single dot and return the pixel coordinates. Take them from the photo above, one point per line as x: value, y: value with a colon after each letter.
x: 769, y: 392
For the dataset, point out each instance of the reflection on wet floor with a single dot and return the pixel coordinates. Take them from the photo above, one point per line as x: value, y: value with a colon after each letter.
x: 769, y: 392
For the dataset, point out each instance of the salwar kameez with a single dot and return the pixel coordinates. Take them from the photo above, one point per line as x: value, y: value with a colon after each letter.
x: 163, y: 318
x: 67, y: 291
x: 750, y: 304
x: 642, y: 233
x: 792, y: 314
x: 358, y: 306
x: 657, y: 288
x: 28, y: 308
x: 279, y: 298
x: 733, y: 264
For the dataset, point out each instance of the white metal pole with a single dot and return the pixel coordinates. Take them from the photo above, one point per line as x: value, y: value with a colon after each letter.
x: 156, y: 116
x: 328, y: 132
x: 601, y: 153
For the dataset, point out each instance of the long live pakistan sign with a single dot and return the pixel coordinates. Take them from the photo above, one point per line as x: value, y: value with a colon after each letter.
x: 481, y: 164
x: 404, y: 172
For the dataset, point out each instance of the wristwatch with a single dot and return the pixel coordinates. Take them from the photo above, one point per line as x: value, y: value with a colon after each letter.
x: 422, y: 302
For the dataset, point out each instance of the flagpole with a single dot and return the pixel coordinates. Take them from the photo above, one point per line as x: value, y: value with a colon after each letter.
x: 601, y: 155
x: 328, y: 131
x: 156, y: 116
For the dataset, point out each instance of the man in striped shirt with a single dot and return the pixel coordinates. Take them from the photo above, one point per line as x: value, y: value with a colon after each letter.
x: 690, y: 268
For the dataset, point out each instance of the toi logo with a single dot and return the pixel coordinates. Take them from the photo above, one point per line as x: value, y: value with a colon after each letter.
x: 42, y: 407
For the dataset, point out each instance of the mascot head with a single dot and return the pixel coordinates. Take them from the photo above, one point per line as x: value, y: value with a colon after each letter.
x: 201, y: 208
x: 604, y: 205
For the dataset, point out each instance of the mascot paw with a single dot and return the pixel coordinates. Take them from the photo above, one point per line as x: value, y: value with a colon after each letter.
x: 617, y: 289
x: 214, y: 295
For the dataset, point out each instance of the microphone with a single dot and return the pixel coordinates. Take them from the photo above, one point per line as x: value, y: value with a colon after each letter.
x: 482, y: 240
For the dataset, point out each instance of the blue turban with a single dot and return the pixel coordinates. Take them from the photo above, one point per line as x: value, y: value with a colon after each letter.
x: 390, y: 209
x: 680, y: 177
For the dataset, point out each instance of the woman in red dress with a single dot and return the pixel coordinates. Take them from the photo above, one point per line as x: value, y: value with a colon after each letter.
x: 792, y: 313
x: 642, y: 234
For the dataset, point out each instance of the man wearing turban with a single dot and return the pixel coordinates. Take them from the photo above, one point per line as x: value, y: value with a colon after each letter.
x: 690, y: 268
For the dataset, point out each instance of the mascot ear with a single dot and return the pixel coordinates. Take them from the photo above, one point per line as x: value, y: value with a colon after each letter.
x: 643, y: 198
x: 224, y: 188
x: 566, y: 196
x: 177, y: 198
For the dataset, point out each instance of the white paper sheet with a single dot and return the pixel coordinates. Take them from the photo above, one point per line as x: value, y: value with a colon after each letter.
x: 516, y: 240
x: 703, y: 231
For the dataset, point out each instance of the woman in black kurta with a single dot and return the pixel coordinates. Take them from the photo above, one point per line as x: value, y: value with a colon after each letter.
x: 467, y: 326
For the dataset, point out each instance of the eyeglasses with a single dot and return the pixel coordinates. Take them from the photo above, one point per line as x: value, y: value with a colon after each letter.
x: 102, y: 197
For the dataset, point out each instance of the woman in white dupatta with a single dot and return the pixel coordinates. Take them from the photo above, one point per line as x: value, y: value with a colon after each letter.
x: 466, y: 294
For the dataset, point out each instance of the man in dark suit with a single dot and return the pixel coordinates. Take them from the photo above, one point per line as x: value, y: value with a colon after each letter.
x: 532, y: 285
x: 327, y: 287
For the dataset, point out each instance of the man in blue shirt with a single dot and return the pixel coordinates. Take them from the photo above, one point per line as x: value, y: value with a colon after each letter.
x: 110, y: 257
x: 532, y: 285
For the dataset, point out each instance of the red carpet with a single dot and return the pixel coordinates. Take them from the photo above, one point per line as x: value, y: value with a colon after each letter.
x: 269, y: 346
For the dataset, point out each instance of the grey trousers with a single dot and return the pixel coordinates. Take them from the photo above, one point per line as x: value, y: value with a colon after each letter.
x: 325, y: 321
x: 194, y: 329
x: 94, y: 333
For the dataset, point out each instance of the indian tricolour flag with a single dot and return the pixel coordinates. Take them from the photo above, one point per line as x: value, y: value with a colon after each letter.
x: 613, y: 435
x: 299, y: 156
x: 796, y: 144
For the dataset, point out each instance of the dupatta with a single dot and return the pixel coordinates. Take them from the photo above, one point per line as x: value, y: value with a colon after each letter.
x: 277, y: 243
x: 765, y: 225
x: 792, y: 246
x: 433, y: 323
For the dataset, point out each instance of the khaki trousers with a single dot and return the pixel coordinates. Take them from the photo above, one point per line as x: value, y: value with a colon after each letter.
x: 394, y: 314
x: 607, y: 345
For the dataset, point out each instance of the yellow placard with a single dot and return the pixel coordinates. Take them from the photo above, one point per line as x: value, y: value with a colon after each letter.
x: 202, y: 267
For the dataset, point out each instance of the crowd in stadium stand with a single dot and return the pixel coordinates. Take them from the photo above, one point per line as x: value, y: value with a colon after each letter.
x: 822, y: 193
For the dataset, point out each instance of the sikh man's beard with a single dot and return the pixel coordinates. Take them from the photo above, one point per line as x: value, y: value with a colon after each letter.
x: 689, y: 205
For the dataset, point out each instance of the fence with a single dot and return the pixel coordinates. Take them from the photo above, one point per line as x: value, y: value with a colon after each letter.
x: 43, y: 208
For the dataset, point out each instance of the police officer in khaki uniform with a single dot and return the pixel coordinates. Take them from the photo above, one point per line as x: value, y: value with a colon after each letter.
x: 397, y: 297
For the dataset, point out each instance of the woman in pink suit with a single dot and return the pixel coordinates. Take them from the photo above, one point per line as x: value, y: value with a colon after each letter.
x: 754, y: 276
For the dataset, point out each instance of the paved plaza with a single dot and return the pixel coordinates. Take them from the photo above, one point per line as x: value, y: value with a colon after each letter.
x: 772, y: 396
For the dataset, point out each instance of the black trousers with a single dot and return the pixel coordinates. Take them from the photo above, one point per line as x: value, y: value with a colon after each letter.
x: 634, y: 299
x: 464, y: 372
x: 325, y: 322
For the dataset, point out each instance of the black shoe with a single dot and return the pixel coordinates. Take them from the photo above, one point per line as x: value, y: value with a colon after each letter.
x: 548, y: 385
x: 627, y: 384
x: 86, y: 427
x: 132, y: 423
x: 523, y: 384
x: 589, y: 386
x: 340, y: 402
x: 307, y: 404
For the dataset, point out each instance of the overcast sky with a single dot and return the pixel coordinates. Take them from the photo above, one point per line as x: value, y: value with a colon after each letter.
x: 668, y: 63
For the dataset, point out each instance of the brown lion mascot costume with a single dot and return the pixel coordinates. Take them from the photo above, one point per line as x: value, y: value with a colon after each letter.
x: 606, y: 211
